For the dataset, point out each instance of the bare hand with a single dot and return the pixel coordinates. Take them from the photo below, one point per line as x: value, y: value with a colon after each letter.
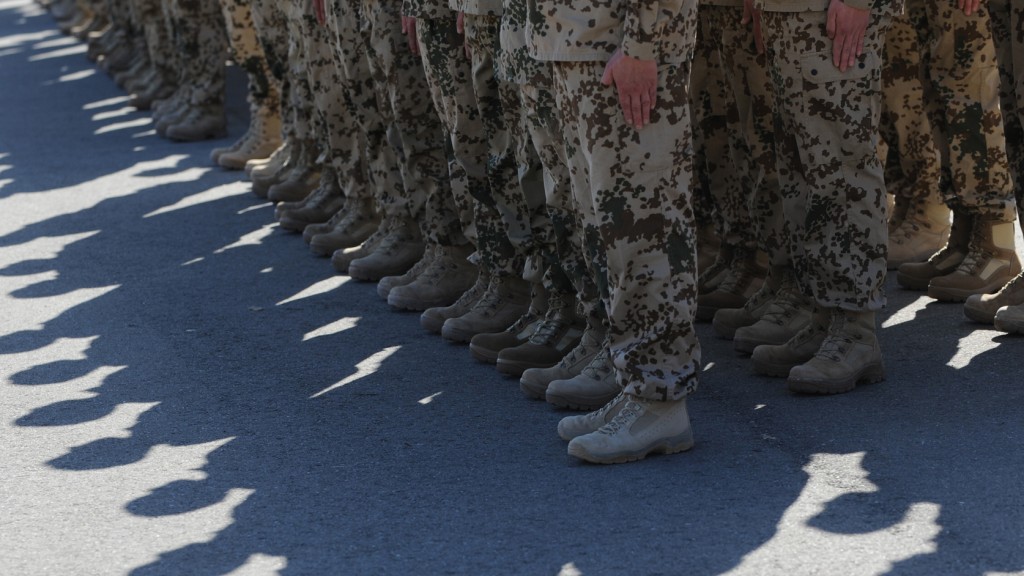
x: 968, y: 6
x: 637, y: 84
x: 846, y: 27
x: 753, y: 15
x: 409, y: 29
x: 320, y: 11
x: 460, y: 27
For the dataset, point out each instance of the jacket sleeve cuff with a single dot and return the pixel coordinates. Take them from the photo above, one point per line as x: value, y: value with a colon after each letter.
x: 859, y: 4
x: 639, y: 49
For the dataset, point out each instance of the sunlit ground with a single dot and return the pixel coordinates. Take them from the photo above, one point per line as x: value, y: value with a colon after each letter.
x: 50, y: 365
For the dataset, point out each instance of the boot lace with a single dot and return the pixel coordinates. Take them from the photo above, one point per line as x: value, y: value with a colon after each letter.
x: 977, y: 256
x: 625, y: 418
x: 787, y: 304
x: 599, y: 367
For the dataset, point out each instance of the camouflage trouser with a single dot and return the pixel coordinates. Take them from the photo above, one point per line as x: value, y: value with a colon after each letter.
x: 910, y: 110
x: 448, y: 73
x: 200, y: 40
x: 335, y: 128
x: 751, y: 132
x: 248, y: 54
x: 353, y: 68
x: 412, y: 124
x: 730, y: 176
x: 155, y: 28
x: 963, y: 66
x: 122, y: 15
x: 1008, y: 29
x: 634, y: 188
x: 566, y: 270
x: 826, y: 138
x: 713, y: 176
x: 505, y: 210
x: 299, y: 96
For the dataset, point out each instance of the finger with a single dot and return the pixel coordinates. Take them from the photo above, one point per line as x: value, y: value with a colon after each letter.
x: 645, y: 109
x: 830, y: 25
x: 638, y: 111
x: 627, y: 107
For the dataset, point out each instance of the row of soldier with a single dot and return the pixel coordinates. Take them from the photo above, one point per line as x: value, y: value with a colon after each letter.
x: 465, y: 157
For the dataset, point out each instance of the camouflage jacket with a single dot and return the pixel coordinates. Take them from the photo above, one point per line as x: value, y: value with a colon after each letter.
x: 588, y: 30
x: 477, y: 7
x: 732, y: 3
x: 815, y: 5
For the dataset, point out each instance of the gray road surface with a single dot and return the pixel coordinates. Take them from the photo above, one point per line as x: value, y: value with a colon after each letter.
x: 185, y: 389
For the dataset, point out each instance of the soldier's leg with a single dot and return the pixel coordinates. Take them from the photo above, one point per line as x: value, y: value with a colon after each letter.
x: 965, y: 69
x: 264, y: 133
x: 923, y: 225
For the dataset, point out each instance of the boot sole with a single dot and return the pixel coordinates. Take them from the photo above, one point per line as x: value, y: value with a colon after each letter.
x: 399, y: 303
x: 868, y: 375
x: 943, y: 294
x: 533, y: 390
x: 581, y: 404
x: 1010, y: 327
x: 773, y: 370
x: 911, y: 282
x: 674, y: 445
x: 516, y: 368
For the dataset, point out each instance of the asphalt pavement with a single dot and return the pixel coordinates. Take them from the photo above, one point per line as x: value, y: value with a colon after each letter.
x: 186, y: 389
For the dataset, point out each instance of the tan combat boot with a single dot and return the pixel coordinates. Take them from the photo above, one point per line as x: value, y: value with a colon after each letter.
x: 202, y: 122
x: 983, y: 307
x: 397, y: 252
x: 448, y: 275
x: 260, y: 141
x: 786, y: 315
x: 917, y: 275
x: 506, y: 299
x: 778, y: 360
x: 318, y: 207
x: 534, y: 381
x: 485, y: 347
x: 433, y: 319
x: 1010, y: 319
x: 387, y: 283
x: 923, y: 231
x: 709, y: 279
x: 848, y: 355
x: 744, y: 277
x: 559, y: 333
x: 990, y: 263
x: 574, y: 426
x: 342, y: 257
x: 727, y: 320
x: 277, y: 170
x: 640, y: 427
x: 708, y: 244
x: 302, y: 178
x: 263, y: 167
x: 592, y: 388
x: 350, y: 226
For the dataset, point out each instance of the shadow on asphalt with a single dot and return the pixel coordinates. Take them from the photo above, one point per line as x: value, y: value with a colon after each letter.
x: 422, y: 460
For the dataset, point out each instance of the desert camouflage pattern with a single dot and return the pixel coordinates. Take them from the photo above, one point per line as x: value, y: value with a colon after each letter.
x: 1008, y: 29
x: 352, y: 67
x: 911, y: 111
x: 633, y: 187
x: 506, y: 210
x: 154, y: 27
x: 198, y: 35
x: 299, y: 95
x: 247, y: 52
x: 829, y: 172
x: 412, y: 124
x: 647, y: 29
x: 752, y: 131
x: 731, y: 174
x: 334, y: 127
x: 963, y: 66
x: 448, y: 76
